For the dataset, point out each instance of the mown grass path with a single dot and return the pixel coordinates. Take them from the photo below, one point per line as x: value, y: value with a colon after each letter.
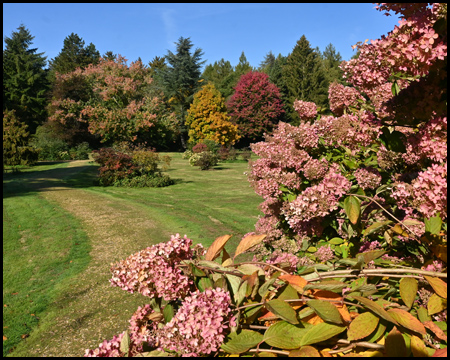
x: 120, y: 222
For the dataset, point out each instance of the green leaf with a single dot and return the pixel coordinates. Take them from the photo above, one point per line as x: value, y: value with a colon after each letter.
x: 363, y: 325
x: 204, y: 283
x: 376, y: 226
x: 352, y: 208
x: 282, y: 310
x: 336, y: 241
x: 287, y: 292
x: 125, y: 344
x: 284, y: 335
x: 326, y: 311
x: 394, y: 141
x: 153, y: 353
x: 329, y: 285
x: 240, y: 295
x: 436, y: 304
x: 395, y: 88
x: 264, y: 289
x: 234, y: 282
x: 433, y: 225
x: 422, y: 314
x: 395, y: 344
x: 168, y: 313
x: 238, y: 343
x: 379, y: 331
x: 376, y: 308
x: 408, y: 291
x: 321, y: 332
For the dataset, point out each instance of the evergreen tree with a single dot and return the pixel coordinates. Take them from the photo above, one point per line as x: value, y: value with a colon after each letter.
x: 243, y: 67
x: 109, y: 55
x: 268, y: 62
x: 221, y: 74
x: 276, y: 77
x: 305, y: 77
x: 331, y: 61
x: 74, y: 54
x: 24, y: 79
x: 181, y: 79
x: 157, y: 63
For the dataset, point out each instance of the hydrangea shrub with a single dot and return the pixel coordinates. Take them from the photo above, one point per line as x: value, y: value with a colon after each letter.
x: 351, y: 253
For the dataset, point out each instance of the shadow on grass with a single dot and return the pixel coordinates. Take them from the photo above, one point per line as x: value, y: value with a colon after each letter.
x: 181, y: 181
x: 34, y: 180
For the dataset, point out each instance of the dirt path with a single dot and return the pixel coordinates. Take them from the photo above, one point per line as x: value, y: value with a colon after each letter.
x: 115, y: 229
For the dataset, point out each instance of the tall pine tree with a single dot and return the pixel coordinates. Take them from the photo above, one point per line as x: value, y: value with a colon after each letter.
x: 74, y: 54
x: 305, y: 77
x: 181, y: 79
x: 221, y: 74
x: 331, y: 61
x: 24, y: 79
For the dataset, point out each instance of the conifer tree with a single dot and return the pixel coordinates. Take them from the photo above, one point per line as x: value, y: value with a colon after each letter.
x: 331, y: 61
x: 267, y: 64
x: 305, y: 77
x: 109, y: 55
x: 276, y: 77
x: 24, y: 79
x: 243, y: 67
x: 181, y: 79
x: 222, y: 75
x: 74, y: 54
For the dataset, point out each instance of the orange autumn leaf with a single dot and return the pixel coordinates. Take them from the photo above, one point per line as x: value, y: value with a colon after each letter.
x: 296, y: 281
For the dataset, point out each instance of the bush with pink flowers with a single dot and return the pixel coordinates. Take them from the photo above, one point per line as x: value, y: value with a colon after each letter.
x: 354, y: 226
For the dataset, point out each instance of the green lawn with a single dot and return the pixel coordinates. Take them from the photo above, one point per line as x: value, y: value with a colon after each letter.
x: 40, y: 237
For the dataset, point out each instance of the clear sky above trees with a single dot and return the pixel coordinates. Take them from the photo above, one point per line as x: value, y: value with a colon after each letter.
x: 220, y: 30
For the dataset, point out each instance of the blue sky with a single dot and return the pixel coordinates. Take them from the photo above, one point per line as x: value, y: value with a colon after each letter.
x: 221, y: 30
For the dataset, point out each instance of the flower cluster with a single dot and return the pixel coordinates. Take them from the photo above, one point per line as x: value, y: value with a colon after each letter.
x: 306, y: 110
x: 318, y: 200
x: 342, y: 98
x: 284, y: 260
x: 368, y: 178
x: 324, y: 253
x: 108, y: 348
x: 425, y: 193
x: 154, y: 272
x: 143, y: 327
x: 199, y: 325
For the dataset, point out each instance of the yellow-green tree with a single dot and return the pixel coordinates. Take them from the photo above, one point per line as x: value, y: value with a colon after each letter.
x: 207, y: 118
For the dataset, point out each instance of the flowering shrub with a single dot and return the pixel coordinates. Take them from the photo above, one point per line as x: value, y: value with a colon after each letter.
x: 343, y: 190
x: 266, y: 308
x: 131, y: 167
x: 368, y: 172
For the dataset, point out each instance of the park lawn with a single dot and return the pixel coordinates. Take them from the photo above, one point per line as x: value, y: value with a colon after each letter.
x: 202, y: 204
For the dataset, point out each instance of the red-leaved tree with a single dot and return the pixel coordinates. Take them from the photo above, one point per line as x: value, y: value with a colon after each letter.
x: 255, y: 106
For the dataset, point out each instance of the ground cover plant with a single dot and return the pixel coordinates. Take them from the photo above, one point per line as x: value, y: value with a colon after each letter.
x: 351, y: 251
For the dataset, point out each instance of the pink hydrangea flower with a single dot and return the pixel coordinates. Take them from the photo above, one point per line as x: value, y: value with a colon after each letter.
x: 199, y: 326
x: 154, y: 272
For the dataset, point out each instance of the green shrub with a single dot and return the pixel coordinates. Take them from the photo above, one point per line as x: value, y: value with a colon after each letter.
x: 49, y: 146
x: 211, y: 145
x: 207, y: 160
x: 246, y: 154
x: 15, y: 142
x: 146, y: 180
